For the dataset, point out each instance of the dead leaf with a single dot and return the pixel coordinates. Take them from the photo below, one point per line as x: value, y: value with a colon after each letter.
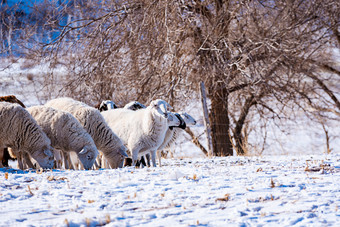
x: 225, y: 198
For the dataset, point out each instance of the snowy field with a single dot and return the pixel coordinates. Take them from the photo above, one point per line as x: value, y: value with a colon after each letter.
x: 230, y: 191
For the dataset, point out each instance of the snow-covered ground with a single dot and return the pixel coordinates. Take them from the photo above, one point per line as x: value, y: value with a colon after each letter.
x: 229, y: 191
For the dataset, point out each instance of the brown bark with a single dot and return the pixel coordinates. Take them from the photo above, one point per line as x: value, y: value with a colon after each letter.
x: 220, y: 124
x: 240, y: 142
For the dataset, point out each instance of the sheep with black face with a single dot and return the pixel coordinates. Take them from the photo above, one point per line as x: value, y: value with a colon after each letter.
x: 142, y: 131
x: 173, y: 132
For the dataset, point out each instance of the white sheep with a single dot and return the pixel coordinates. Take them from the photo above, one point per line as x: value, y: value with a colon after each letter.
x: 142, y: 131
x: 173, y: 131
x: 65, y: 133
x: 90, y: 118
x: 4, y: 154
x: 173, y: 121
x: 108, y: 104
x: 23, y: 135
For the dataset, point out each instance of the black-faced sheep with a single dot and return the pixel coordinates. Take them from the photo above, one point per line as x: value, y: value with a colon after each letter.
x: 106, y: 105
x: 142, y: 131
x: 173, y: 131
x: 134, y: 105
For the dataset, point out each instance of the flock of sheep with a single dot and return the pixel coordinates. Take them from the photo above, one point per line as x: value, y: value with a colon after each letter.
x: 65, y: 133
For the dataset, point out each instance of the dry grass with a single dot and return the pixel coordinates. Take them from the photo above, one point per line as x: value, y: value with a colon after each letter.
x: 225, y: 198
x: 272, y: 184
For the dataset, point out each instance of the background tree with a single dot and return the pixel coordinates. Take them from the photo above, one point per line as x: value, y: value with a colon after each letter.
x: 261, y: 61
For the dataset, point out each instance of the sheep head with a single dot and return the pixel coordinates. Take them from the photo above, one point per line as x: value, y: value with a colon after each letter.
x: 173, y: 120
x: 116, y: 159
x: 44, y: 157
x: 182, y: 124
x: 87, y: 156
x: 107, y: 105
x: 189, y: 120
x: 134, y: 105
x: 161, y: 107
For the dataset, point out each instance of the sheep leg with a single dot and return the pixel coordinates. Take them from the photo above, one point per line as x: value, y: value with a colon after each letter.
x: 70, y: 163
x: 147, y: 156
x: 66, y: 160
x: 141, y: 162
x: 134, y: 157
x: 159, y: 156
x: 27, y: 160
x: 96, y: 165
x: 74, y: 161
x: 103, y: 162
x: 58, y: 158
x: 153, y: 158
x: 19, y: 158
x: 106, y: 165
x: 98, y: 162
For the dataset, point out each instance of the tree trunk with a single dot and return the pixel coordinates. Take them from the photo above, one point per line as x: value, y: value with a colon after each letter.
x: 239, y: 139
x: 220, y: 124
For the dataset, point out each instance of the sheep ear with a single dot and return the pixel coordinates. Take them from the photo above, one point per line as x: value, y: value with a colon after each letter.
x: 83, y: 151
x: 122, y: 151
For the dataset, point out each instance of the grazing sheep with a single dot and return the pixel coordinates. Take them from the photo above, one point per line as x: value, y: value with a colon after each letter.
x: 90, y: 118
x: 22, y: 134
x: 142, y: 131
x: 5, y: 156
x: 134, y: 105
x: 106, y: 105
x: 173, y: 131
x: 65, y: 133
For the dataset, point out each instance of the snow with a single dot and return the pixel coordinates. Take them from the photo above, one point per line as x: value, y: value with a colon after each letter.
x: 239, y: 191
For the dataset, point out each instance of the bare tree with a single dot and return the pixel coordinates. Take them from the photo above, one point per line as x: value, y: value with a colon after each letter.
x: 259, y: 59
